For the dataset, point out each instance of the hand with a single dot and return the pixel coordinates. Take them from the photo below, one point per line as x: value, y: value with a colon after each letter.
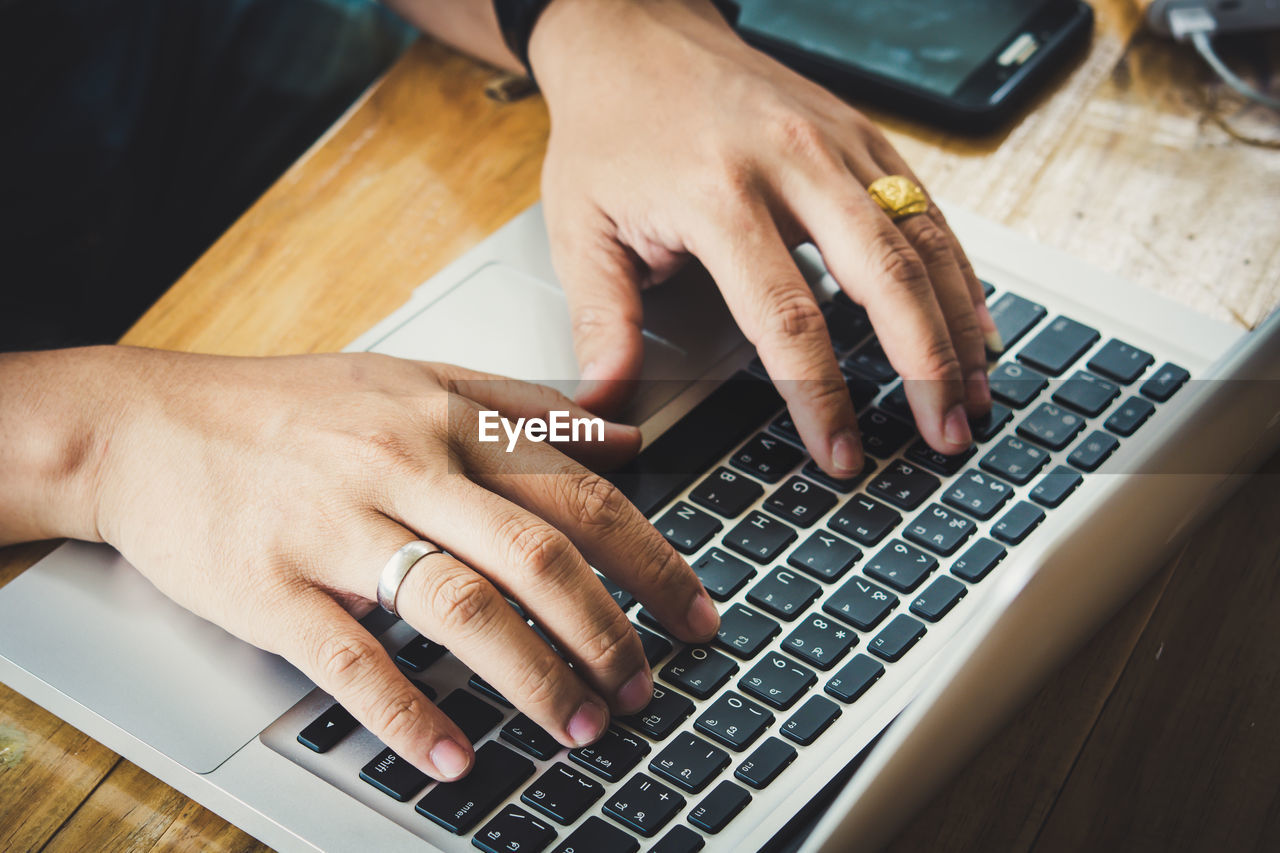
x: 672, y: 138
x: 266, y: 495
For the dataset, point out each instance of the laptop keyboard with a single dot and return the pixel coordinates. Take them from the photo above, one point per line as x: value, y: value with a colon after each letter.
x: 824, y: 585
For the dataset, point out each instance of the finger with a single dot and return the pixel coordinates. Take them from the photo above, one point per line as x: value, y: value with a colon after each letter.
x: 601, y: 447
x: 607, y: 529
x: 777, y: 312
x: 990, y: 332
x: 877, y: 267
x: 346, y: 662
x: 601, y: 281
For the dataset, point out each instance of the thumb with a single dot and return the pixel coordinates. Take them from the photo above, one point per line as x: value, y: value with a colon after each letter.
x: 601, y: 280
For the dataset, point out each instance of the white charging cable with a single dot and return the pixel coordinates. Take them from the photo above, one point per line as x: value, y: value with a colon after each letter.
x: 1198, y: 25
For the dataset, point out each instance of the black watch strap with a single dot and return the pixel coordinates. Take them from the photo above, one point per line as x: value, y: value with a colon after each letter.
x: 516, y: 19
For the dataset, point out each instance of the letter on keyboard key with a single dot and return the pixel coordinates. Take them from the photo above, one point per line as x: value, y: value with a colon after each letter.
x: 680, y: 839
x: 744, y: 632
x: 1058, y: 345
x: 901, y: 566
x: 613, y: 756
x: 978, y: 494
x: 644, y: 805
x: 687, y: 528
x: 719, y: 807
x: 597, y: 836
x: 689, y: 762
x: 625, y: 600
x: 722, y: 574
x: 860, y: 603
x: 1014, y: 316
x: 940, y: 530
x: 800, y: 502
x: 1016, y: 384
x: 513, y: 828
x: 766, y: 457
x: 976, y: 563
x: 759, y: 537
x: 777, y: 681
x: 459, y: 806
x: 903, y: 485
x: 726, y: 492
x: 326, y: 730
x: 1014, y: 459
x: 784, y: 594
x: 864, y: 520
x: 394, y: 776
x: 825, y: 556
x: 820, y: 641
x: 562, y: 793
x: 699, y: 671
x: 812, y: 719
x: 855, y: 678
x: 766, y: 763
x: 734, y: 721
x: 897, y: 637
x: 662, y: 716
x: 529, y: 736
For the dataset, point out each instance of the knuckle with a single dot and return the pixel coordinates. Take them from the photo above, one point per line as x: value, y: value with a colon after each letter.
x: 609, y: 647
x: 794, y: 313
x: 399, y: 718
x: 538, y: 683
x: 800, y: 135
x: 385, y: 448
x: 541, y: 552
x: 341, y: 659
x: 939, y: 361
x: 931, y: 242
x: 901, y: 264
x: 461, y: 602
x: 594, y: 501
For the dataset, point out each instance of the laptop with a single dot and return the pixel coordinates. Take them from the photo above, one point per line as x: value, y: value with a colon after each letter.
x: 875, y: 632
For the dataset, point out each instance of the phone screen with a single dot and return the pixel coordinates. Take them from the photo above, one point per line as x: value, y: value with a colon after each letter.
x: 931, y: 44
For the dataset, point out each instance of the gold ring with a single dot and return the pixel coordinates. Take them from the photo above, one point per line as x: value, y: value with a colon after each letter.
x: 898, y: 196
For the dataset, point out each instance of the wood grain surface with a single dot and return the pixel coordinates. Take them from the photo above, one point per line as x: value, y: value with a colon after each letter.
x: 1160, y: 734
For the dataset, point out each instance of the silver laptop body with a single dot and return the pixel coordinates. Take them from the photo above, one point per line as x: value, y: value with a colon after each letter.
x: 88, y: 638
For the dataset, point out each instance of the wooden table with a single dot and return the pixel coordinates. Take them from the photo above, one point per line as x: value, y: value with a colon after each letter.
x: 1161, y: 733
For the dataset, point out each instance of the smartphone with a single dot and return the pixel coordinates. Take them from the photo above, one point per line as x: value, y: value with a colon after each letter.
x: 963, y: 64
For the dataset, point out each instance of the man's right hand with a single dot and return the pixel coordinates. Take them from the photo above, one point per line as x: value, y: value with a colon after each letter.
x: 267, y: 494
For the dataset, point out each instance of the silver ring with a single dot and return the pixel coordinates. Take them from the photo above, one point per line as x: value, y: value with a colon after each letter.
x: 398, y: 568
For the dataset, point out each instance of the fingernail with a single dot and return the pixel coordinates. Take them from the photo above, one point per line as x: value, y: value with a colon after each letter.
x: 979, y: 388
x: 450, y: 759
x: 636, y: 693
x: 955, y: 427
x: 587, y: 724
x: 703, y: 619
x: 845, y: 453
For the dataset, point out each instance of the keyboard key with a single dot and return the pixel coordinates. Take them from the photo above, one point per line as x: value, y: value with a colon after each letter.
x: 871, y: 362
x: 986, y: 427
x: 1018, y: 522
x: 784, y: 594
x: 861, y: 391
x: 613, y: 756
x: 1165, y: 382
x: 940, y: 530
x: 529, y: 736
x: 459, y: 806
x: 896, y: 638
x: 690, y: 762
x: 766, y: 763
x: 820, y: 641
x: 1120, y: 361
x: 977, y: 562
x: 514, y: 829
x: 744, y: 632
x: 777, y: 681
x: 896, y: 403
x: 681, y: 839
x: 1059, y: 344
x: 922, y: 454
x: 901, y: 566
x: 938, y: 598
x: 881, y: 434
x: 1015, y: 459
x: 860, y: 603
x: 767, y: 457
x: 597, y: 836
x: 848, y: 327
x: 644, y: 805
x: 825, y: 556
x: 855, y: 678
x: 656, y: 647
x: 1093, y: 450
x: 1014, y: 316
x: 1051, y: 425
x: 625, y: 600
x: 394, y: 776
x: 784, y: 426
x: 693, y: 444
x: 1086, y: 393
x: 699, y: 671
x: 722, y: 574
x: 864, y: 520
x: 726, y: 492
x: 323, y: 733
x: 987, y: 289
x: 687, y: 528
x: 719, y: 807
x: 662, y: 716
x: 812, y: 719
x: 1016, y: 384
x: 734, y: 721
x: 475, y: 717
x: 1054, y: 487
x: 759, y: 537
x: 1130, y: 415
x: 562, y: 793
x: 419, y: 653
x: 479, y: 685
x: 978, y: 494
x: 800, y: 502
x: 845, y: 484
x: 903, y: 485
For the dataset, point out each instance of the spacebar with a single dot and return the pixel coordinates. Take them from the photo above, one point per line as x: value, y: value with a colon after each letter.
x: 693, y: 443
